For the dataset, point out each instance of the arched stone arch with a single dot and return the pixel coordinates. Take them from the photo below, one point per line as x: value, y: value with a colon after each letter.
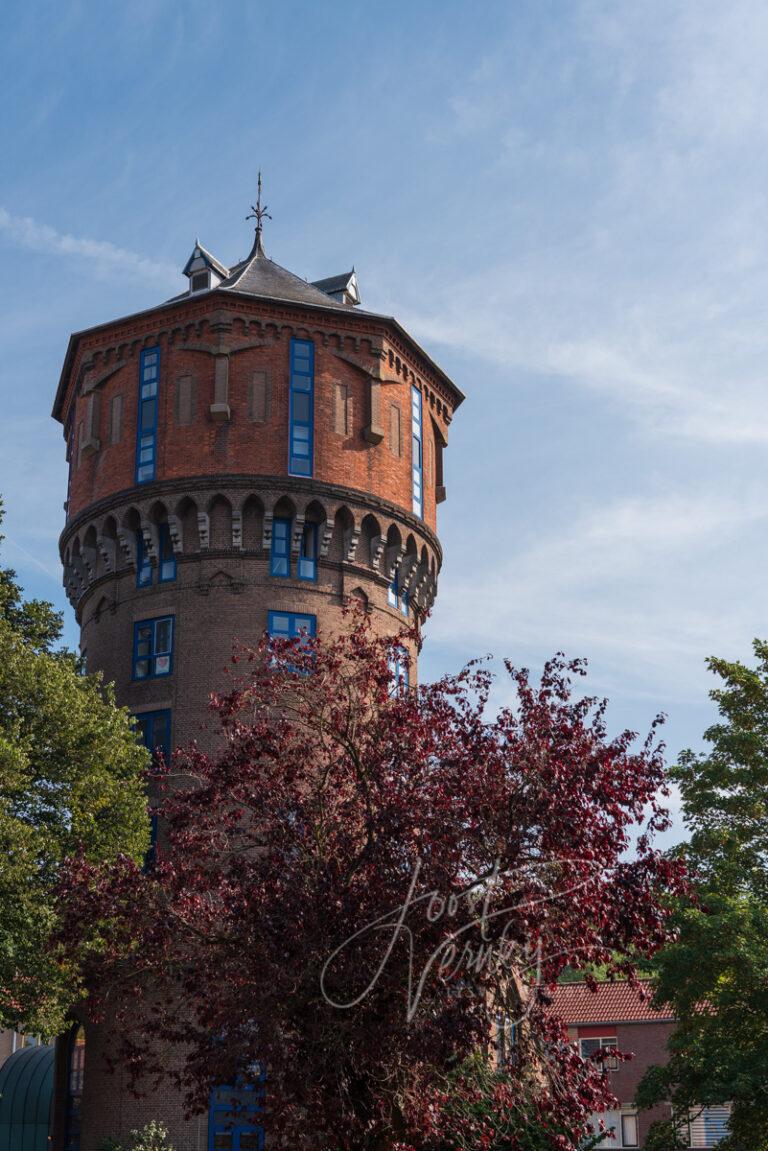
x: 409, y: 565
x: 220, y: 518
x: 252, y: 519
x: 359, y: 598
x: 395, y: 550
x: 346, y: 534
x: 89, y: 553
x: 186, y: 513
x: 371, y: 542
x: 106, y: 542
x: 129, y: 526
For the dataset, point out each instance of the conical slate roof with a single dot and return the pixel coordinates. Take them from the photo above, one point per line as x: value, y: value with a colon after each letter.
x: 257, y: 275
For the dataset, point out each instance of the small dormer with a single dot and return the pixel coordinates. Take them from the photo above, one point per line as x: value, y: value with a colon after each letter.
x: 341, y: 288
x: 203, y: 270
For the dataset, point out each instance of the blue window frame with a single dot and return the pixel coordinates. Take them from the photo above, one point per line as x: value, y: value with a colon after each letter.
x: 291, y: 625
x: 307, y: 565
x: 234, y: 1118
x: 167, y: 555
x: 143, y: 563
x: 146, y: 422
x: 417, y: 453
x: 302, y: 402
x: 396, y: 597
x: 167, y: 565
x: 154, y: 731
x: 398, y: 668
x: 280, y: 555
x: 153, y: 647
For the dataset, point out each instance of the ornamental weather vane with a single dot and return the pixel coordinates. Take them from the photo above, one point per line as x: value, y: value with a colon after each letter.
x: 258, y: 213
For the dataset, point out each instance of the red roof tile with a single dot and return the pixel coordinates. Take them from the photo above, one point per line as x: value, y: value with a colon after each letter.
x: 611, y: 1003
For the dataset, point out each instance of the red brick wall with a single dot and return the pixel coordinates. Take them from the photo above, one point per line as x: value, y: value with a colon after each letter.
x: 240, y: 446
x: 647, y: 1043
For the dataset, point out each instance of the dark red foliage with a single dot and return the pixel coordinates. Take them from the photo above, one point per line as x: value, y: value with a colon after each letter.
x: 333, y: 803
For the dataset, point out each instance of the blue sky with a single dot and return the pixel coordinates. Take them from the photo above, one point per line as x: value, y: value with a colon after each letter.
x: 567, y: 204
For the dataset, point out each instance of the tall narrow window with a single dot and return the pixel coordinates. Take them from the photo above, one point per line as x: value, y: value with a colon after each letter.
x: 398, y: 669
x: 146, y: 431
x: 143, y: 564
x: 153, y: 647
x: 301, y: 446
x: 75, y: 1081
x: 417, y: 453
x: 280, y: 556
x: 154, y: 731
x: 167, y: 556
x: 307, y: 567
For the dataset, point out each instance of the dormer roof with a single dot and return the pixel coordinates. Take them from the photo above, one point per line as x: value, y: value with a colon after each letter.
x: 342, y: 288
x: 200, y: 258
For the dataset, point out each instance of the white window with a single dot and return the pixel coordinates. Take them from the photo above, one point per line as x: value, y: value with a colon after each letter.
x: 620, y: 1128
x: 709, y: 1125
x: 590, y: 1047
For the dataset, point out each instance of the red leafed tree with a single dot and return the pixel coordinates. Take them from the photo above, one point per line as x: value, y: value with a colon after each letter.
x: 364, y: 883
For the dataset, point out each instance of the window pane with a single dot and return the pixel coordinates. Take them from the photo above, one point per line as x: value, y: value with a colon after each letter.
x: 300, y: 384
x: 301, y: 406
x: 629, y: 1130
x: 250, y: 1140
x: 163, y: 636
x: 222, y: 1141
x: 280, y: 566
x: 141, y: 669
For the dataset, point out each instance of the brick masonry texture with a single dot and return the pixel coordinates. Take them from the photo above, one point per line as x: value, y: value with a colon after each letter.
x: 221, y: 478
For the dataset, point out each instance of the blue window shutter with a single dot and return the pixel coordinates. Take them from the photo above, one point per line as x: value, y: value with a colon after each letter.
x: 393, y: 593
x: 154, y: 730
x: 417, y: 462
x: 302, y: 409
x: 307, y: 566
x: 167, y: 555
x: 146, y: 421
x: 143, y: 564
x: 280, y: 555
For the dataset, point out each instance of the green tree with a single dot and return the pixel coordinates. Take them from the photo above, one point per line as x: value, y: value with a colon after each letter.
x: 715, y: 975
x: 71, y: 779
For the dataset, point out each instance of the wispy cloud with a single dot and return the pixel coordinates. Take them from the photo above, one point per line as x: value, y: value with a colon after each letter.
x: 640, y: 268
x: 646, y: 586
x: 105, y: 257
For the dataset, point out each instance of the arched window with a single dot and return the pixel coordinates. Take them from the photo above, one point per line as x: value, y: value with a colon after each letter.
x: 75, y: 1079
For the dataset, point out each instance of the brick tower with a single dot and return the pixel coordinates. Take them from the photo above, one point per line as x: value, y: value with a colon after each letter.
x: 246, y: 456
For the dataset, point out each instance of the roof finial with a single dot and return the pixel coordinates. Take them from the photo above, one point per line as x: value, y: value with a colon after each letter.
x: 258, y: 214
